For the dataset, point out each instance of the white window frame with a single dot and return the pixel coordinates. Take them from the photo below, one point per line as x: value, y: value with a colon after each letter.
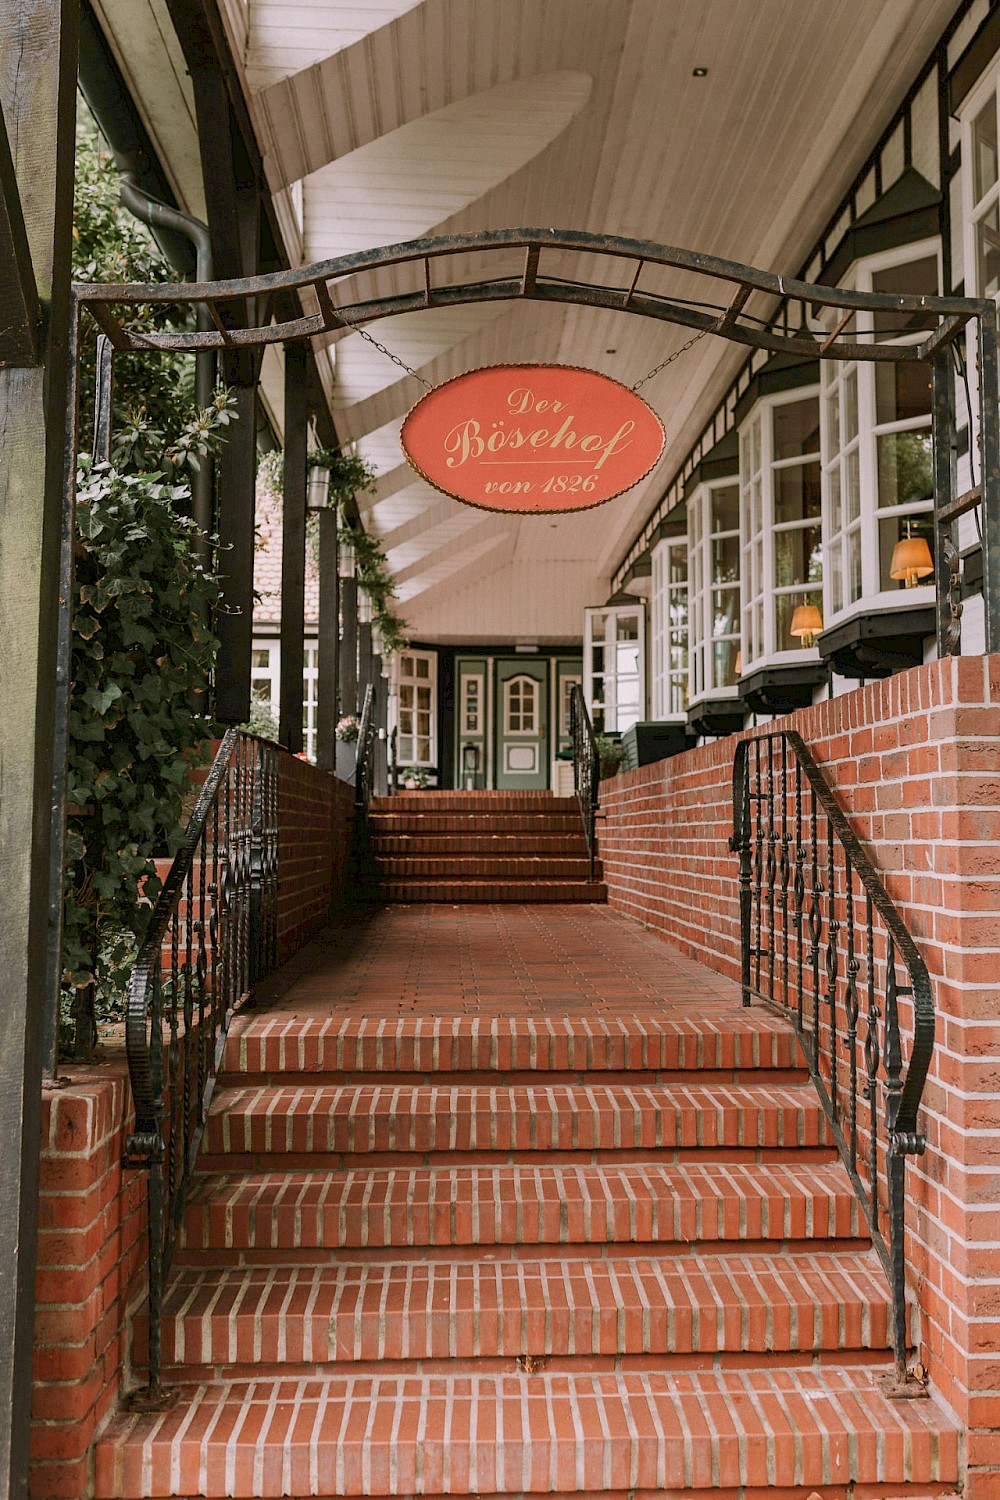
x: 402, y: 737
x: 534, y: 732
x: 606, y: 707
x: 310, y: 695
x: 702, y: 586
x: 670, y: 624
x: 972, y: 213
x: 865, y: 445
x: 760, y: 646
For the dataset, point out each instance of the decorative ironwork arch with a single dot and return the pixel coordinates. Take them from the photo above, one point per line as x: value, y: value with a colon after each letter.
x: 228, y: 304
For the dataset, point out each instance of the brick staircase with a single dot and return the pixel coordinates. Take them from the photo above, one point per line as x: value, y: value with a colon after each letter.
x: 482, y: 846
x: 489, y: 1245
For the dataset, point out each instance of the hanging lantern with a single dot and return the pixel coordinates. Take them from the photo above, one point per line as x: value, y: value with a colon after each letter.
x: 346, y: 559
x: 364, y: 607
x: 319, y: 488
x: 911, y: 560
x: 807, y: 622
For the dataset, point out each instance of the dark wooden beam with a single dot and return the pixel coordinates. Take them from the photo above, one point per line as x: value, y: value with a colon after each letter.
x: 38, y: 66
x: 328, y: 645
x: 293, y: 550
x: 20, y: 311
x: 237, y: 481
x: 349, y: 646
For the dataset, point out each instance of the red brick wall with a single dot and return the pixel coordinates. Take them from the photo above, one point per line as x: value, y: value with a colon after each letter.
x: 315, y: 819
x: 915, y: 762
x: 90, y: 1276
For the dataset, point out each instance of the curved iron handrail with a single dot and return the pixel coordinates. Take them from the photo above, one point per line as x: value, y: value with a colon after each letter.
x: 794, y: 891
x: 586, y: 767
x: 211, y: 936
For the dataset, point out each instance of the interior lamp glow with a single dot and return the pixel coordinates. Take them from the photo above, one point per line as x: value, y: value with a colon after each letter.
x: 807, y: 622
x: 911, y: 560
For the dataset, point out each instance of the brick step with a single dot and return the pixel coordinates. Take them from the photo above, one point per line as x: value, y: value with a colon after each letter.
x: 475, y: 802
x: 459, y: 865
x: 431, y: 1118
x: 463, y: 891
x: 421, y: 844
x: 412, y: 1208
x: 730, y: 1040
x: 437, y: 823
x: 467, y: 1310
x: 515, y: 1434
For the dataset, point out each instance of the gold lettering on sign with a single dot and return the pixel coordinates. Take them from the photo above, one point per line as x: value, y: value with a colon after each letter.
x: 466, y: 440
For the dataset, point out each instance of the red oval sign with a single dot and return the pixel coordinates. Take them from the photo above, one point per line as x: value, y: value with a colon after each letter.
x: 532, y: 438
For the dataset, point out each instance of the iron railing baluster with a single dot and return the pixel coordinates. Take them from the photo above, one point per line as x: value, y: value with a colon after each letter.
x: 586, y: 768
x: 830, y: 1038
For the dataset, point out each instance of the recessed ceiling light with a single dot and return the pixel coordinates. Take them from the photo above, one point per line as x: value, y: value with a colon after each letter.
x: 699, y: 72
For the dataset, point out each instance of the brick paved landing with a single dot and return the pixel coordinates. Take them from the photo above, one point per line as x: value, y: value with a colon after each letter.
x: 512, y: 1199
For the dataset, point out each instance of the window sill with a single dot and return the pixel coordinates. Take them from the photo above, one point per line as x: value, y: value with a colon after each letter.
x: 782, y: 687
x: 879, y: 642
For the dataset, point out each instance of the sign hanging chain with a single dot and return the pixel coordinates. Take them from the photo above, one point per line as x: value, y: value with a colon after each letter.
x: 671, y: 357
x: 427, y: 385
x: 383, y: 350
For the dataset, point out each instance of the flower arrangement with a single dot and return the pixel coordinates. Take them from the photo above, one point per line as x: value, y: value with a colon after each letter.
x: 413, y: 778
x: 348, y: 728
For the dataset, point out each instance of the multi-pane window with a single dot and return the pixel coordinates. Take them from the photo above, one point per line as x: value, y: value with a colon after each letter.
x: 878, y: 467
x: 416, y: 729
x: 781, y: 521
x: 265, y: 687
x: 472, y: 704
x: 614, y: 666
x: 714, y: 550
x: 521, y: 706
x: 670, y: 627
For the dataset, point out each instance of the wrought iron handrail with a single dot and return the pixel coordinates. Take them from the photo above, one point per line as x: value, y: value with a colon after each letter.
x: 586, y: 767
x: 212, y: 936
x: 800, y: 864
x: 364, y: 764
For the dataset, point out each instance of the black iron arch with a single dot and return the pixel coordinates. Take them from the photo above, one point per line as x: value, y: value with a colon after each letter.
x: 228, y: 304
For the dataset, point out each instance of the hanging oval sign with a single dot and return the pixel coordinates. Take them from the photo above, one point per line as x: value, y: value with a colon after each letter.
x: 532, y: 438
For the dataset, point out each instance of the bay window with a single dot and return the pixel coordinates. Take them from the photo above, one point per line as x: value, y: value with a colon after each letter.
x: 878, y: 472
x: 781, y: 525
x: 614, y: 666
x: 714, y: 555
x: 670, y: 628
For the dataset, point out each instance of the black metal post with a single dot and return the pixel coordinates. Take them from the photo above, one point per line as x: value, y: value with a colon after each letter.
x: 328, y: 645
x: 947, y: 578
x: 365, y: 660
x: 989, y: 469
x: 293, y: 550
x: 237, y: 479
x: 349, y: 646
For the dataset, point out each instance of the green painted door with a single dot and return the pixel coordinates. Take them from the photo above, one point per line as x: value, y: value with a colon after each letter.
x: 522, y: 725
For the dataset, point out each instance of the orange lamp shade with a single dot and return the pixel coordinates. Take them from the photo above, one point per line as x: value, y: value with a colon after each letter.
x: 911, y: 560
x: 807, y: 622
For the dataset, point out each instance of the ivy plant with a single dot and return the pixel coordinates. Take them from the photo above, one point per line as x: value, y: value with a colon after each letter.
x: 141, y: 665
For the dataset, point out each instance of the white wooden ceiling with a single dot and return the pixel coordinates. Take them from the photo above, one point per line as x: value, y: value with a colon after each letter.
x: 396, y: 118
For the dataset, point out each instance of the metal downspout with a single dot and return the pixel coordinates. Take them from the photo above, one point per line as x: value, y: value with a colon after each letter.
x: 161, y: 216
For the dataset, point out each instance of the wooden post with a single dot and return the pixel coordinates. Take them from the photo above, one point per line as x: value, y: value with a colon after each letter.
x: 293, y: 550
x: 38, y: 63
x: 328, y: 644
x: 237, y: 481
x: 349, y: 646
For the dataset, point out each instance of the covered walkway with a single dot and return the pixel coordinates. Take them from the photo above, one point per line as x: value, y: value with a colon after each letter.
x: 510, y: 1199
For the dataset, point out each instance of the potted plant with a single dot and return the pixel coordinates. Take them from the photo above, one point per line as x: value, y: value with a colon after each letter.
x: 413, y: 778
